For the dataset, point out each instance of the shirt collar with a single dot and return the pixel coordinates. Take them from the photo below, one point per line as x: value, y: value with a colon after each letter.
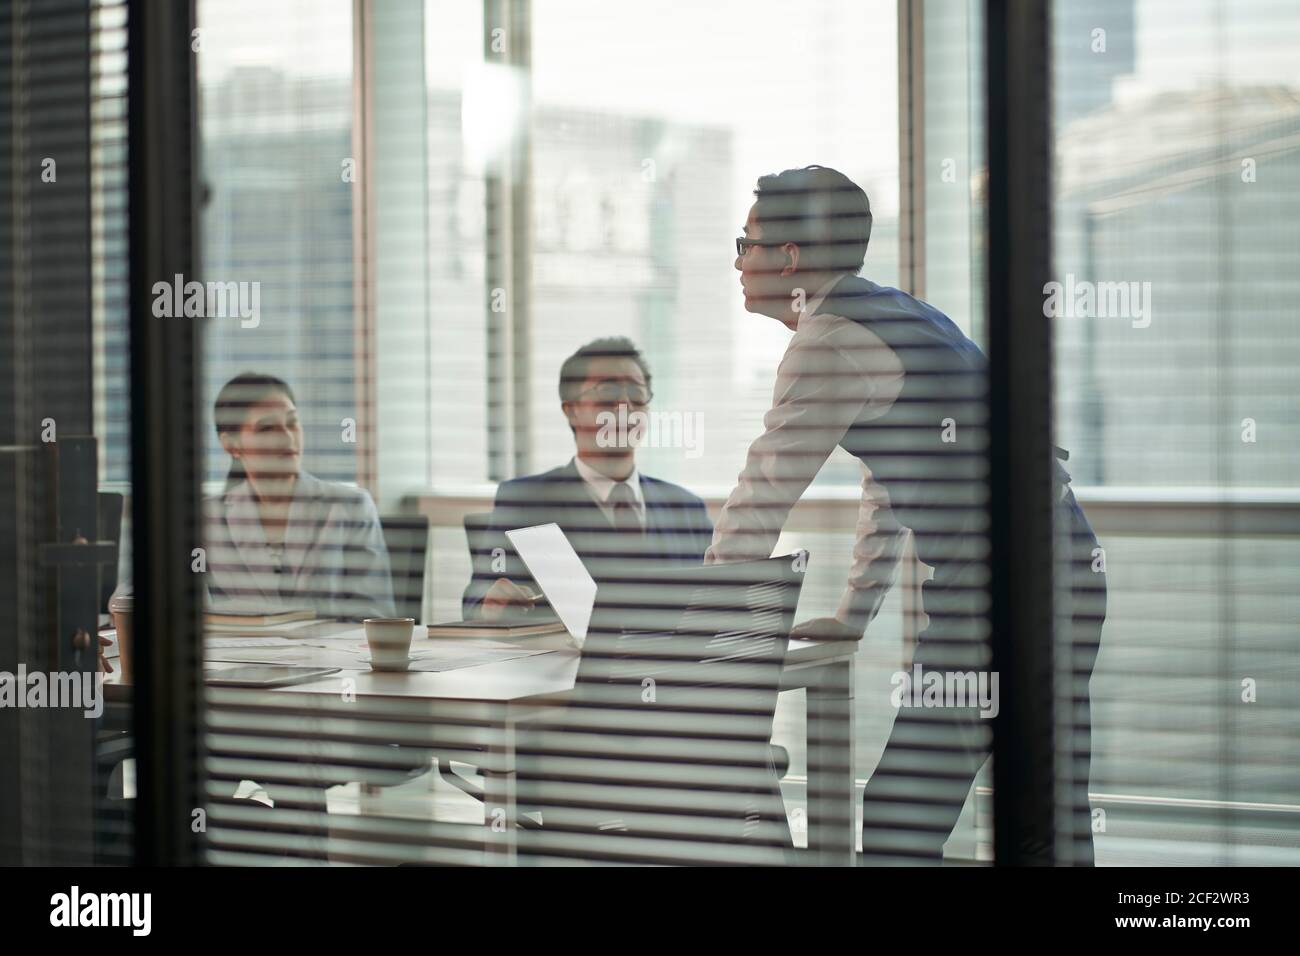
x: 307, y: 486
x: 810, y: 305
x: 602, y: 485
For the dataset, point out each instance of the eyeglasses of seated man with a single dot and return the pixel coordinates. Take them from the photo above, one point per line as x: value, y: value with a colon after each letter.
x: 612, y: 390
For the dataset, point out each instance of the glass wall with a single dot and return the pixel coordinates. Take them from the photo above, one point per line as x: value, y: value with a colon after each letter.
x: 1174, y: 226
x: 418, y: 210
x: 437, y: 226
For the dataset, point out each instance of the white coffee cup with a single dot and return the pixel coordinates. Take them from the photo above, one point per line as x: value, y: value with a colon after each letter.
x: 390, y: 642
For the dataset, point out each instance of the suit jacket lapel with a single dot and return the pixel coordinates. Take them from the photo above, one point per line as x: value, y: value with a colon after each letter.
x: 661, y: 520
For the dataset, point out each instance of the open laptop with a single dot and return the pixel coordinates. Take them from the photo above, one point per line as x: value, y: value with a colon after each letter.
x: 560, y: 573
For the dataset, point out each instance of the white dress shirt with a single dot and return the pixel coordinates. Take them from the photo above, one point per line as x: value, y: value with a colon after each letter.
x: 835, y: 372
x: 333, y: 559
x: 602, y: 486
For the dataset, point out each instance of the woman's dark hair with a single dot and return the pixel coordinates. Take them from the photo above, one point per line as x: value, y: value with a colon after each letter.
x: 233, y: 401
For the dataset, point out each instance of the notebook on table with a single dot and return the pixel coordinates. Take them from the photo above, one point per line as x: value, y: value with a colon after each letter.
x: 514, y: 626
x: 241, y: 617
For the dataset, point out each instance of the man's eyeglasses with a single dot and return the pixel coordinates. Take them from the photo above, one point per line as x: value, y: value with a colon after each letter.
x: 743, y: 245
x: 634, y: 392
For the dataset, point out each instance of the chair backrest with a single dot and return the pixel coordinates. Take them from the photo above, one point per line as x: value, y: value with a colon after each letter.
x: 668, y: 737
x: 407, y: 538
x: 721, y: 626
x: 477, y: 525
x: 110, y: 529
x: 479, y: 541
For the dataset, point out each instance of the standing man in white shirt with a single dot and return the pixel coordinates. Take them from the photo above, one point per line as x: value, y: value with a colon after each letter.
x: 894, y: 382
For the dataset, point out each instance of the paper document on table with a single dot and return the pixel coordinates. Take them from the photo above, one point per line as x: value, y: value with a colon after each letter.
x: 448, y: 655
x: 216, y: 643
x: 258, y: 630
x: 354, y: 655
x: 439, y: 662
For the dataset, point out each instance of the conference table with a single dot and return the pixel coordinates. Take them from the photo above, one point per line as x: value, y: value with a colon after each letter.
x: 482, y: 709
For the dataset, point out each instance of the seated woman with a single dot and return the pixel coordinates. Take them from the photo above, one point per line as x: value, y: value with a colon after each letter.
x: 277, y: 537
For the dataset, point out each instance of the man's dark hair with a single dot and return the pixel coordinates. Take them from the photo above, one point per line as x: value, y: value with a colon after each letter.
x: 822, y: 211
x: 574, y: 370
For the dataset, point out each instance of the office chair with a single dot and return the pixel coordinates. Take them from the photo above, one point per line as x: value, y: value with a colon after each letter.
x: 407, y: 539
x: 661, y: 753
x: 479, y: 540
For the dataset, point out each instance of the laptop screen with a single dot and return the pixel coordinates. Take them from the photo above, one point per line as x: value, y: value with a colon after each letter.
x: 560, y: 573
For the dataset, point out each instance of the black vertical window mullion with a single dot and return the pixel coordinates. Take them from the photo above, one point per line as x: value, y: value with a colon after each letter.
x: 1018, y: 104
x: 165, y: 475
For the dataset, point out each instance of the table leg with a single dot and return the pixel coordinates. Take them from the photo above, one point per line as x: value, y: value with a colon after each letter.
x: 500, y: 800
x: 832, y: 807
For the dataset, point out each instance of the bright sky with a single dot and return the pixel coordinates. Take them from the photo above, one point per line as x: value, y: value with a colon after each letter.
x: 1179, y: 42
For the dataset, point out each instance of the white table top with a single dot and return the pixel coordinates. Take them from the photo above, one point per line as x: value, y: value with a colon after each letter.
x: 552, y: 672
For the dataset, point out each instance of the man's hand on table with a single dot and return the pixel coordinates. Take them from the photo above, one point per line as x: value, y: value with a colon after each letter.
x: 506, y: 597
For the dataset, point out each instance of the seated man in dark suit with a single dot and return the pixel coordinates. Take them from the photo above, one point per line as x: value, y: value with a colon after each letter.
x: 619, y: 521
